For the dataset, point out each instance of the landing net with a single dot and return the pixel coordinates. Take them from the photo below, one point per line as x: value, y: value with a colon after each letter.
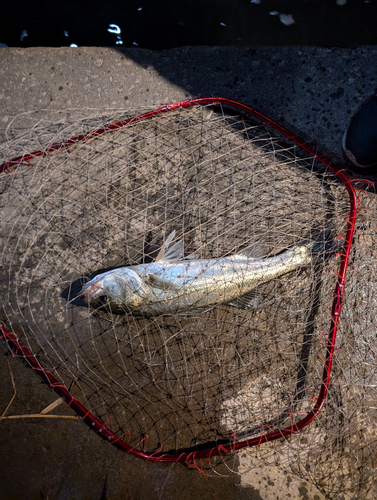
x: 86, y: 197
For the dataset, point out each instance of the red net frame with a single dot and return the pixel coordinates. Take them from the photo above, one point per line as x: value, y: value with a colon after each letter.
x: 187, y: 455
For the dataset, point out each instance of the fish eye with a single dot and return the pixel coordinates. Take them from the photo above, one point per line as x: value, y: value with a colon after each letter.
x: 102, y: 299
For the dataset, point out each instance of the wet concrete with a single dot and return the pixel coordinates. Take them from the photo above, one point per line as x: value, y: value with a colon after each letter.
x: 164, y: 25
x: 313, y: 90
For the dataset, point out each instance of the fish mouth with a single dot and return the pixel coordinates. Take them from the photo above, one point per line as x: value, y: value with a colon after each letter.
x: 92, y: 293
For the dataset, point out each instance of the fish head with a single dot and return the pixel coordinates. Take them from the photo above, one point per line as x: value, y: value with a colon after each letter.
x: 121, y: 289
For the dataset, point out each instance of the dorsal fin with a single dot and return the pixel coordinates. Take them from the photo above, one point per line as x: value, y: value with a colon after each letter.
x: 255, y: 251
x: 172, y: 254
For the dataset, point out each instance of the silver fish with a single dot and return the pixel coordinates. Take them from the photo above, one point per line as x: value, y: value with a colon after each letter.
x: 174, y: 285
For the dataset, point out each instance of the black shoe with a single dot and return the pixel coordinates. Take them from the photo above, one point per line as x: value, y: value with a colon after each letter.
x: 360, y: 140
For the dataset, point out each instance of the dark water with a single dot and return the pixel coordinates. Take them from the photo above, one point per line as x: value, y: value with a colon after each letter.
x: 165, y: 24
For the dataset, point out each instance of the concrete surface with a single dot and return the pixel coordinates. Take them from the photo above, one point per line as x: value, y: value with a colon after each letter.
x: 313, y: 90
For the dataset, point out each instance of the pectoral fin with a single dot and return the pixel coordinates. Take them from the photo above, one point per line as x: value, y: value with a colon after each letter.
x: 248, y: 301
x: 157, y: 282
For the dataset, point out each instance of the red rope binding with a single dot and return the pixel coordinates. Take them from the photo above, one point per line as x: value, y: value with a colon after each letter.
x: 186, y: 456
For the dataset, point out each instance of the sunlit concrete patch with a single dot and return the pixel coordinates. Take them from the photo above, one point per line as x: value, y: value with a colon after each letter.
x: 255, y: 403
x: 274, y: 484
x: 268, y: 470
